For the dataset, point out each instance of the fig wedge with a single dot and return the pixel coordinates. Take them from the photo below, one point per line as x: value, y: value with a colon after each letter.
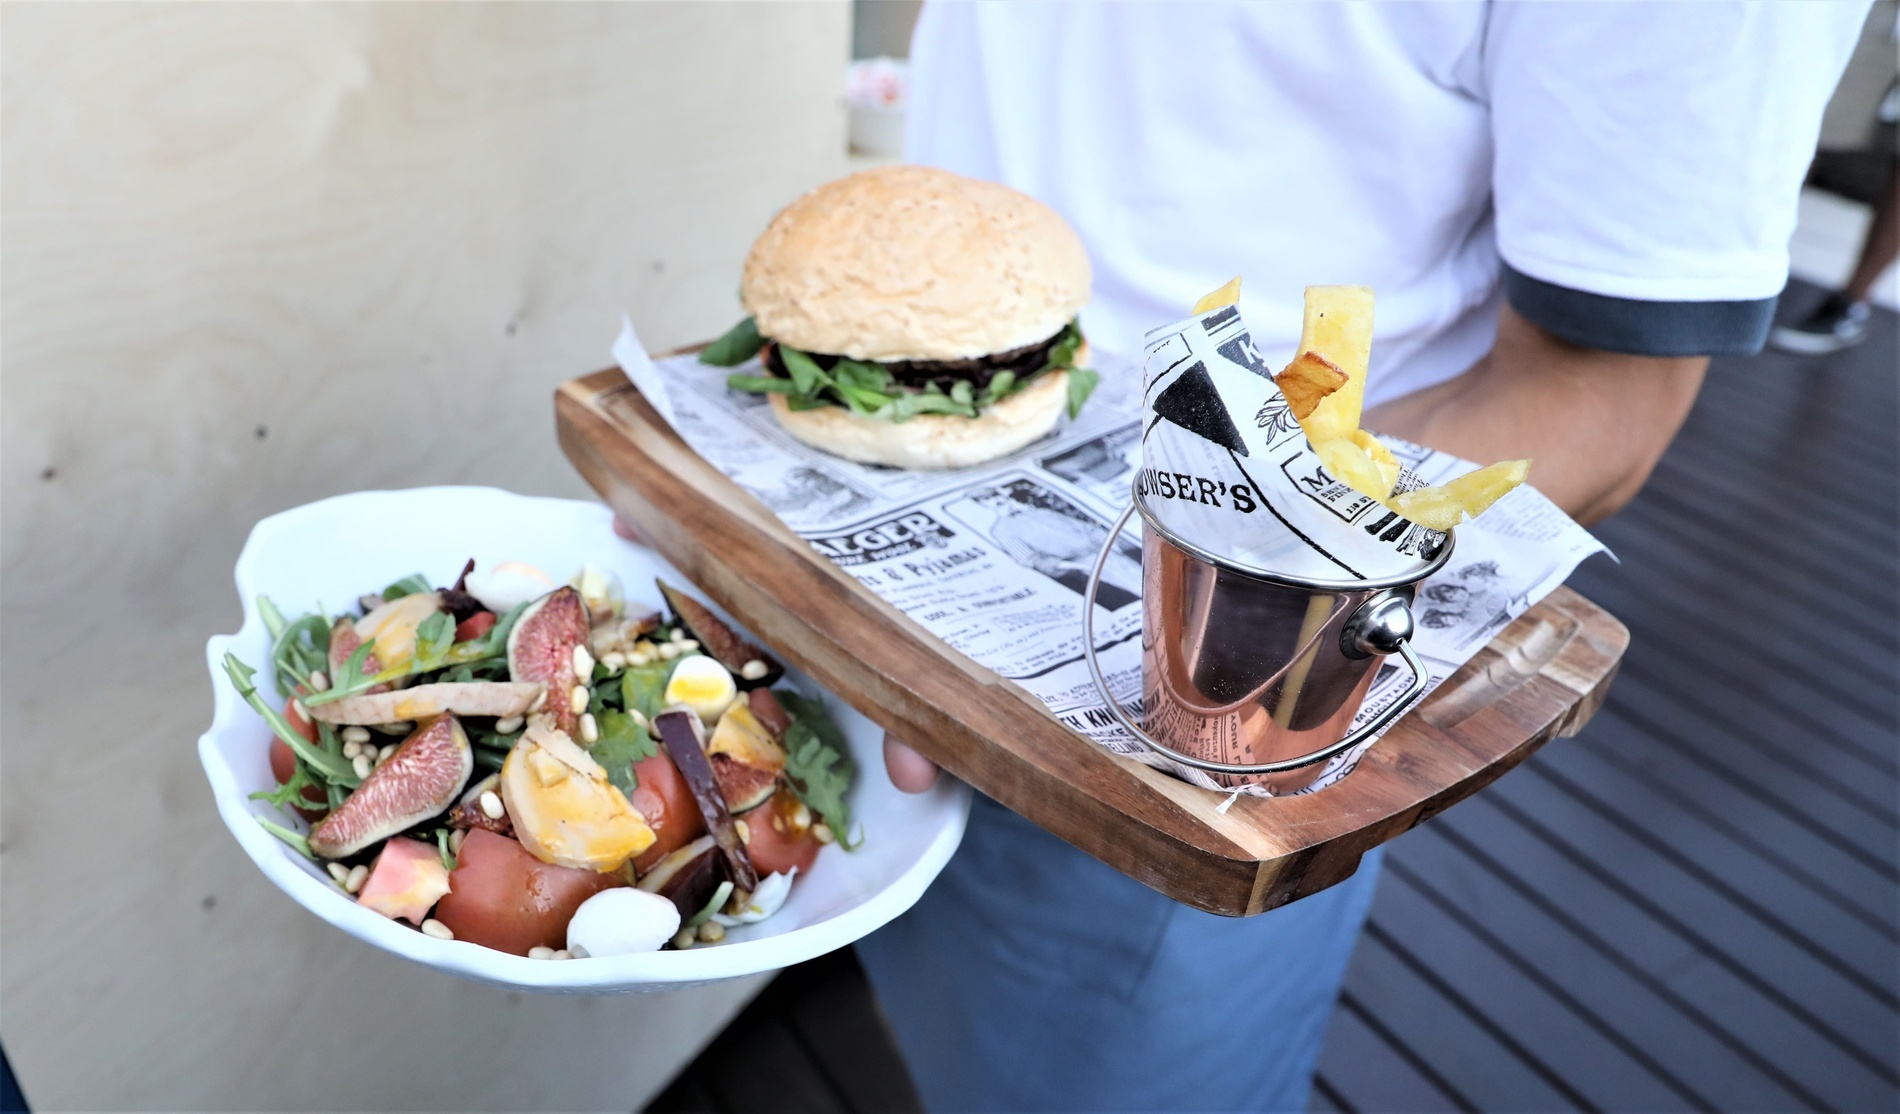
x: 420, y: 780
x: 679, y: 733
x: 721, y: 642
x: 462, y: 698
x: 541, y: 648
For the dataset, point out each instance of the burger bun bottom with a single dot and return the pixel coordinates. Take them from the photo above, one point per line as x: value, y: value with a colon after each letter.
x: 932, y: 441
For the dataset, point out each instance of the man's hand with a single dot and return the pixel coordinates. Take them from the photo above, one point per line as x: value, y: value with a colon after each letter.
x: 1593, y: 423
x: 910, y: 771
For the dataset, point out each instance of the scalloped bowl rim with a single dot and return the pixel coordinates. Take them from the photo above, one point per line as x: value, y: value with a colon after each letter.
x: 945, y: 809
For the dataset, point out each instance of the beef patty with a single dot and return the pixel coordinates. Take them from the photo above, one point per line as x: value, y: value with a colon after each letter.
x: 977, y: 371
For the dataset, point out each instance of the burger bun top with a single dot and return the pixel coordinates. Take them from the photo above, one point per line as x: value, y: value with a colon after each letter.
x: 914, y: 263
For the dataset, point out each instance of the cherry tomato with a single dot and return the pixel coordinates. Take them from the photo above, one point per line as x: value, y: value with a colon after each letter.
x: 475, y: 626
x: 283, y: 763
x: 778, y: 841
x: 506, y: 899
x: 298, y: 722
x: 667, y: 803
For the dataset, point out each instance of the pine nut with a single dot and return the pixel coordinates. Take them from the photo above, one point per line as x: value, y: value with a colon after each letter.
x: 400, y: 727
x: 540, y: 700
x: 319, y: 682
x: 683, y: 939
x: 508, y: 725
x: 583, y: 663
x: 676, y: 634
x: 303, y: 711
x: 358, y: 875
x: 577, y: 700
x: 456, y: 839
x: 745, y: 831
x: 614, y: 660
x: 540, y: 951
x: 590, y: 728
x: 389, y: 751
x: 491, y: 805
x: 361, y: 765
x: 669, y: 651
x: 687, y: 645
x: 351, y: 749
x: 801, y: 818
x: 754, y: 670
x: 711, y: 932
x: 822, y: 833
x: 339, y: 872
x: 437, y: 929
x: 639, y: 716
x: 577, y: 952
x: 355, y: 734
x: 561, y: 953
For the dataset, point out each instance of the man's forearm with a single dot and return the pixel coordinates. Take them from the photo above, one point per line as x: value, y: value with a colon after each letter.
x: 1593, y: 423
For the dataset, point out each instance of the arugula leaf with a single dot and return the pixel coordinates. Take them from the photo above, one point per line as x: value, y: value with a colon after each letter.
x: 442, y: 848
x: 643, y: 687
x: 622, y: 742
x: 817, y: 763
x: 273, y: 618
x: 410, y: 585
x: 761, y: 384
x: 331, y: 768
x: 805, y: 372
x: 1001, y: 386
x: 434, y: 636
x: 739, y: 344
x: 297, y: 843
x: 289, y: 791
x: 1082, y: 383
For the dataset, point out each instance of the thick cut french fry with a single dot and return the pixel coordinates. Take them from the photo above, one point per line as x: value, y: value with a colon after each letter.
x: 1445, y: 506
x: 1338, y: 328
x: 1225, y: 296
x: 1307, y: 380
x: 1353, y: 465
x: 1382, y: 459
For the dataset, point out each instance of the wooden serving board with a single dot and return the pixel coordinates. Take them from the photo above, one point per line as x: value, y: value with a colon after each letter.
x: 1544, y: 676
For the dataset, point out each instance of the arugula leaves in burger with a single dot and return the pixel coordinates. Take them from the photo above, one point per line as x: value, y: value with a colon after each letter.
x: 908, y: 317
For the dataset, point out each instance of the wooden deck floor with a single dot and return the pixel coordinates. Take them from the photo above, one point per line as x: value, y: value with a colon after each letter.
x: 1692, y: 905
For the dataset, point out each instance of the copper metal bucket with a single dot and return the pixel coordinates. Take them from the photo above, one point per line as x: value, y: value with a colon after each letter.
x: 1253, y: 676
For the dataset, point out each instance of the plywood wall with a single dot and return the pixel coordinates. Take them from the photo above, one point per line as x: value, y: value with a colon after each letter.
x: 252, y: 255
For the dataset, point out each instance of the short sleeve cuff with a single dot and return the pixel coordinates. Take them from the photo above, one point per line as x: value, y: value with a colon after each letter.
x: 1638, y: 327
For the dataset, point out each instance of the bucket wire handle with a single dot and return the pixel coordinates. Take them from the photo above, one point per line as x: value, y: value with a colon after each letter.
x: 1383, y: 627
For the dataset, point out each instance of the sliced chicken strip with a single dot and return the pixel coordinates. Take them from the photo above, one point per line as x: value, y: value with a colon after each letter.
x: 464, y: 698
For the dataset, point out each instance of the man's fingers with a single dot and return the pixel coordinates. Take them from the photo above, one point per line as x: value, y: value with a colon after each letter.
x: 910, y: 772
x: 626, y: 531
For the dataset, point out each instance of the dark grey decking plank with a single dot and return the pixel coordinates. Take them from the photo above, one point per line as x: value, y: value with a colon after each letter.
x: 1574, y: 1040
x: 1712, y: 1052
x: 1669, y: 783
x: 1809, y: 1046
x: 1809, y: 588
x: 1760, y: 745
x: 1476, y: 1060
x: 1365, y: 1069
x: 1745, y: 919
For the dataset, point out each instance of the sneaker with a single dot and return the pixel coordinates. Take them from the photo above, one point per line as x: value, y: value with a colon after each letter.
x: 1835, y: 324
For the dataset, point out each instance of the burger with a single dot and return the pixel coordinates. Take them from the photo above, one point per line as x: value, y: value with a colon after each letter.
x: 910, y: 317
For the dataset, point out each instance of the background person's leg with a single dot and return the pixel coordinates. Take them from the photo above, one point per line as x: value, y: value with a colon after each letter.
x: 1032, y: 977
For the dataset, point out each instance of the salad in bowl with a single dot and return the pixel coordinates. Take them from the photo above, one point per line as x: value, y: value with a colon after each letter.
x: 508, y: 766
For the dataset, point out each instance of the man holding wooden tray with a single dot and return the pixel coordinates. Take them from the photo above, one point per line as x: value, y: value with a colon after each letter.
x: 1565, y: 211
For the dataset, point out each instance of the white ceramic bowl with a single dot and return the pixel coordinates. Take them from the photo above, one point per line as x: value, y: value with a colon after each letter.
x: 332, y: 551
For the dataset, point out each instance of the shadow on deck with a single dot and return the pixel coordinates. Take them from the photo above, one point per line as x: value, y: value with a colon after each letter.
x: 1690, y: 906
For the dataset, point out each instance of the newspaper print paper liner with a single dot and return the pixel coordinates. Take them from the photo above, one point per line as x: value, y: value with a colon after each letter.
x: 1226, y: 466
x: 993, y: 559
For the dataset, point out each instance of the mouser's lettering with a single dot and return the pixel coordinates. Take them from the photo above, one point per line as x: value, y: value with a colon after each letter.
x: 1197, y: 489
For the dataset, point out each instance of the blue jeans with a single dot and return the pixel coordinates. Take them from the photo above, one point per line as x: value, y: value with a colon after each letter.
x: 1032, y: 977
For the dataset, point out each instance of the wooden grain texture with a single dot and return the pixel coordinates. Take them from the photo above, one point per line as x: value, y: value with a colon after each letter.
x: 1542, y: 677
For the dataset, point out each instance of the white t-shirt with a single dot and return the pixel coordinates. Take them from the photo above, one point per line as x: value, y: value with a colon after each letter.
x: 1648, y: 151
